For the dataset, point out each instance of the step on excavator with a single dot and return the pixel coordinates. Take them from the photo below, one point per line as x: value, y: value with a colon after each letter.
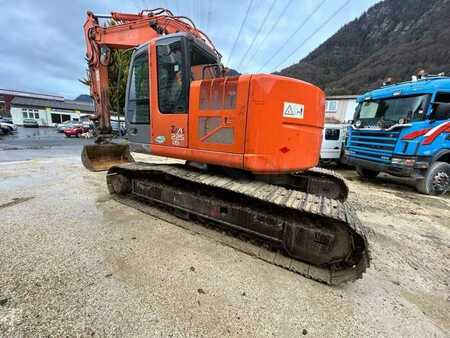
x: 250, y: 143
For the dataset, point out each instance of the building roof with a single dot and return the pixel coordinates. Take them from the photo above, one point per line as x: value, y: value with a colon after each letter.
x: 56, y: 104
x: 342, y: 97
x: 30, y: 94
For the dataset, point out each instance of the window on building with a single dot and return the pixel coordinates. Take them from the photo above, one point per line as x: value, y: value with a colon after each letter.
x: 59, y: 118
x: 56, y: 118
x: 29, y: 113
x: 331, y: 106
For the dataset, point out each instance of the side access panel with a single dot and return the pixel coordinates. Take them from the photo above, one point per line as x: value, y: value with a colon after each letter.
x: 217, y: 116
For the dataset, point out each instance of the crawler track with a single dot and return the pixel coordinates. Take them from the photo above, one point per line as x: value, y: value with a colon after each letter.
x: 317, y: 181
x: 317, y: 237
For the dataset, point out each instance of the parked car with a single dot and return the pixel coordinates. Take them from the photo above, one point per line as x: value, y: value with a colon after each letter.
x: 6, y: 120
x: 4, y: 129
x: 30, y: 123
x: 75, y: 131
x: 60, y: 127
x: 8, y: 126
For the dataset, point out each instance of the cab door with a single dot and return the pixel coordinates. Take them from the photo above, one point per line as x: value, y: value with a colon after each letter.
x: 137, y: 106
x: 169, y: 102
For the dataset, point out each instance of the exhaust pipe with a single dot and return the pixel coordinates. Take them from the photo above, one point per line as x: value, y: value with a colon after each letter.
x: 101, y: 157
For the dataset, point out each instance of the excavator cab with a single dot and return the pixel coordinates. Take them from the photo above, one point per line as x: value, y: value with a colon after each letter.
x: 179, y: 59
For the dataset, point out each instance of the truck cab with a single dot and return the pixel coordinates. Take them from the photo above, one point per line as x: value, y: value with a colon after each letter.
x: 404, y: 130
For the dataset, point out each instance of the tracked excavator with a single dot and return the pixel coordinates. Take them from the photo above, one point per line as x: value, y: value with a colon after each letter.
x: 250, y: 143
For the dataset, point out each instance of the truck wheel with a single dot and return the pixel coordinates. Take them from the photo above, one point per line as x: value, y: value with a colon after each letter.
x: 366, y: 173
x: 436, y: 180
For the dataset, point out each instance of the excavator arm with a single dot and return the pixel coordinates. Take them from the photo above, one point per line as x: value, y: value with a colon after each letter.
x: 127, y: 31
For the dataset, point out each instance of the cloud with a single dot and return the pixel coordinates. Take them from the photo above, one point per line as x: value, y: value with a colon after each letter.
x: 42, y: 46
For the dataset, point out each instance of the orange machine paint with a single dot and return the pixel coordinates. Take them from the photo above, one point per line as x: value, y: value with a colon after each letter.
x: 251, y: 108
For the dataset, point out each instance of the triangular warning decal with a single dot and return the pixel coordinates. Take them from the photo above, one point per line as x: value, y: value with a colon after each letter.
x: 293, y: 110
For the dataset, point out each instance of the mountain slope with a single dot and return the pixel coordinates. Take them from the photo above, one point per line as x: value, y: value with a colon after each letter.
x: 394, y: 38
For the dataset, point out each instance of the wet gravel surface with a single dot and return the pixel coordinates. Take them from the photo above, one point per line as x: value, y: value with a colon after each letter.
x: 76, y: 263
x: 31, y: 143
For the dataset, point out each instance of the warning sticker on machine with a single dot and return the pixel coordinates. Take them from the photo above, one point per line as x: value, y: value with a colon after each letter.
x: 293, y: 110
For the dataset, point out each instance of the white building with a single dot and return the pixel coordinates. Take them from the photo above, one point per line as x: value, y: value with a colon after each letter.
x: 340, y: 109
x: 48, y: 112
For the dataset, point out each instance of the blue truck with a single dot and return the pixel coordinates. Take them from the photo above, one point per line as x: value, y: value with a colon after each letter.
x: 404, y: 130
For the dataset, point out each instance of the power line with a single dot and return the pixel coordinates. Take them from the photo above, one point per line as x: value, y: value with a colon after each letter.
x: 199, y: 13
x: 315, y: 32
x: 240, y: 30
x: 257, y: 33
x: 208, y: 19
x: 272, y: 29
x: 194, y: 13
x: 288, y: 40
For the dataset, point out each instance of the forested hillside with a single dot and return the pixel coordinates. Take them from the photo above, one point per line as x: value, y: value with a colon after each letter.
x: 394, y: 38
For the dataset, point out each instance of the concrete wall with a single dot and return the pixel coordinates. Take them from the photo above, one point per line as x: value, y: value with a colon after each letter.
x: 45, y: 115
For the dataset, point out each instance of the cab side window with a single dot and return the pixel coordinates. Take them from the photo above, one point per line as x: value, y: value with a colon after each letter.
x: 138, y: 100
x: 442, y: 109
x: 172, y: 89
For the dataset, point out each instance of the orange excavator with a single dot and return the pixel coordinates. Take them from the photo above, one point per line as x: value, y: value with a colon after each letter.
x: 250, y: 143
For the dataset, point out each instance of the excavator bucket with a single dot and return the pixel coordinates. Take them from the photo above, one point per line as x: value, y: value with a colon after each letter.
x: 101, y: 157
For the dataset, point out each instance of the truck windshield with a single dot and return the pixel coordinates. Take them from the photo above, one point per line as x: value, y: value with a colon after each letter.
x: 390, y: 111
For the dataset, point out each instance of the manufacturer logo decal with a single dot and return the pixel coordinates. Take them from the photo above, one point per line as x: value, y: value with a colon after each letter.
x: 293, y: 110
x: 160, y: 139
x: 176, y: 135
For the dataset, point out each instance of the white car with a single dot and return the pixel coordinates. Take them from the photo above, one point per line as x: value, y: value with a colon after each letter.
x: 8, y: 126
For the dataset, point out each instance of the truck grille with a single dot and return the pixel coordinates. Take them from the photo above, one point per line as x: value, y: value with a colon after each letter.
x: 371, y: 145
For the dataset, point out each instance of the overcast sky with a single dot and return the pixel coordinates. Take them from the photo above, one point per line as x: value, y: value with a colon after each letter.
x: 42, y: 47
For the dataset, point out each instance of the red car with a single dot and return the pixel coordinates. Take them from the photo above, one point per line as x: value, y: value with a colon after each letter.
x: 75, y: 131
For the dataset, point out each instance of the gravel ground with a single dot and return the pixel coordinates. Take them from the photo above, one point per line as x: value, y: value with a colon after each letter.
x: 76, y: 263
